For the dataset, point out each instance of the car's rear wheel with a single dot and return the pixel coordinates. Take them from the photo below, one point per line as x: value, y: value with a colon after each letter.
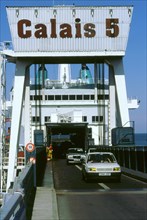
x: 86, y: 179
x: 83, y: 178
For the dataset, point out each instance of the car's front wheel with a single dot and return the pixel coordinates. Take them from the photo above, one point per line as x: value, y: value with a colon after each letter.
x: 84, y: 177
x: 118, y: 179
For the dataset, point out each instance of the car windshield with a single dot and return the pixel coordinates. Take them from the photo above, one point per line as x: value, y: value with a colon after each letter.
x: 101, y: 158
x: 75, y: 150
x: 92, y: 150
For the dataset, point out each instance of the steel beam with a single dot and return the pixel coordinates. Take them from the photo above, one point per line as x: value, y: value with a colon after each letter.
x: 19, y: 87
x: 122, y: 113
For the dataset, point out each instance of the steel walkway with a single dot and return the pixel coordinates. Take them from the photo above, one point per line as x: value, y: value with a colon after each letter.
x: 45, y: 204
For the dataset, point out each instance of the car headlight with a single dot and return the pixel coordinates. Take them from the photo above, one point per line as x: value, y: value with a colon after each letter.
x: 92, y: 169
x: 116, y: 169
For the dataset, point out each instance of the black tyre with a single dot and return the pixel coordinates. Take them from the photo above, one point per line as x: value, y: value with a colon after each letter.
x: 118, y: 179
x: 85, y: 178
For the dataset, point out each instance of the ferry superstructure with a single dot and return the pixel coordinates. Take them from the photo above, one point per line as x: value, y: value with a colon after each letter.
x: 71, y: 101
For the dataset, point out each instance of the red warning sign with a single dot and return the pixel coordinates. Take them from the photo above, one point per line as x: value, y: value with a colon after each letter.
x: 33, y: 160
x: 30, y: 147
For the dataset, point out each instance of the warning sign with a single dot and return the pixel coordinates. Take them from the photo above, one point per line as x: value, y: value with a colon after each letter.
x: 33, y: 160
x: 30, y: 147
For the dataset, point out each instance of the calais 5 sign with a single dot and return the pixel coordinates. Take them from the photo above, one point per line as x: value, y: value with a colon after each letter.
x: 41, y: 30
x: 70, y: 29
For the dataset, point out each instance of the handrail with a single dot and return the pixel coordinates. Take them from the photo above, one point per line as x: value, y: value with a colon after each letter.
x: 21, y: 194
x: 14, y: 203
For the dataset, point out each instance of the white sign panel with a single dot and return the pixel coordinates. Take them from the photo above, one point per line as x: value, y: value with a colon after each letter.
x: 69, y: 29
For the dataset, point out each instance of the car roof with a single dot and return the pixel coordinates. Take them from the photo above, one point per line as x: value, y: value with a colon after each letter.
x: 75, y: 148
x: 101, y: 152
x: 94, y: 149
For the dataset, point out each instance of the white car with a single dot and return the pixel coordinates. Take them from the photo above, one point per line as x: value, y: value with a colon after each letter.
x: 75, y: 155
x: 100, y: 165
x: 91, y: 150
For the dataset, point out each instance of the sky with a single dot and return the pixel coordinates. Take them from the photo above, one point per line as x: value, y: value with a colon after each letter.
x: 134, y: 59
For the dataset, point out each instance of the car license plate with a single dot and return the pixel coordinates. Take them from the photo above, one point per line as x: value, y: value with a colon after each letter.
x: 104, y: 174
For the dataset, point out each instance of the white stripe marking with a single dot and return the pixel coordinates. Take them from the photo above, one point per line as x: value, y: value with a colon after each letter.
x: 103, y: 186
x: 78, y: 167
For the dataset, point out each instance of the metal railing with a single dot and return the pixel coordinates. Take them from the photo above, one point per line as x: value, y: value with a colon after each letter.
x: 17, y: 202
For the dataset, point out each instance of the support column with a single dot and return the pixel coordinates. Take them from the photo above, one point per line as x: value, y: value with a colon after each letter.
x: 112, y: 103
x: 122, y: 113
x: 16, y: 118
x: 112, y: 99
x: 1, y: 122
x: 95, y: 83
x: 27, y: 111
